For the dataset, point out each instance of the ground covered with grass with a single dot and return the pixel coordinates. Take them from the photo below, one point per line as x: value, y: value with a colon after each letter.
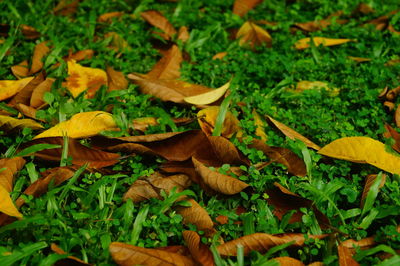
x: 190, y: 132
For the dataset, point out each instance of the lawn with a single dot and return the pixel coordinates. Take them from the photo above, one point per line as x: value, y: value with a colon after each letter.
x: 199, y: 132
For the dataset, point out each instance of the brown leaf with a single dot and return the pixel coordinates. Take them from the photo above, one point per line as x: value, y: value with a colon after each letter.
x: 107, y: 17
x: 241, y: 7
x: 36, y: 99
x: 116, y: 80
x: 295, y: 165
x: 167, y: 90
x: 71, y: 260
x: 284, y: 200
x: 253, y: 35
x: 21, y: 70
x: 306, y: 42
x: 169, y: 65
x: 200, y: 252
x: 347, y: 249
x: 9, y: 167
x: 312, y: 26
x: 127, y: 255
x: 24, y: 95
x: 29, y: 32
x: 262, y: 242
x: 187, y: 168
x: 141, y: 190
x: 80, y: 55
x: 222, y: 219
x: 219, y: 55
x: 80, y: 154
x: 219, y: 182
x: 118, y: 43
x: 196, y: 215
x: 142, y: 123
x: 369, y: 181
x: 392, y: 133
x: 397, y: 116
x: 66, y: 7
x: 27, y: 111
x: 40, y: 51
x: 288, y: 261
x: 156, y: 19
x: 291, y: 134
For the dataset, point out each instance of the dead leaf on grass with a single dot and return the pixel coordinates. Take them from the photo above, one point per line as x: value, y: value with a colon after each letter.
x: 392, y: 133
x: 200, y: 252
x: 66, y: 7
x: 21, y: 70
x: 7, y: 205
x: 288, y: 261
x: 40, y: 51
x: 9, y: 88
x: 29, y: 32
x: 397, y: 116
x: 70, y: 260
x: 8, y: 123
x: 116, y: 80
x: 260, y: 126
x: 208, y: 116
x: 208, y: 97
x: 37, y: 96
x: 241, y: 7
x: 9, y: 167
x: 305, y: 43
x: 117, y: 43
x: 169, y: 65
x: 24, y: 95
x: 196, y: 215
x: 107, y: 17
x: 156, y: 19
x: 253, y: 35
x: 369, y: 181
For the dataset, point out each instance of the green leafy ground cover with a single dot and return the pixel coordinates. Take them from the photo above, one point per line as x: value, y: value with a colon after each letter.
x: 85, y: 216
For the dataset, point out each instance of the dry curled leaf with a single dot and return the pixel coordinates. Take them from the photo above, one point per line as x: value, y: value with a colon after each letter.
x: 347, y: 249
x: 80, y: 55
x: 392, y: 133
x: 9, y: 88
x: 397, y: 116
x: 241, y: 7
x: 24, y: 95
x: 127, y: 255
x: 317, y: 85
x: 21, y: 70
x: 200, y: 252
x: 7, y: 206
x: 9, y: 167
x: 116, y: 80
x: 156, y: 19
x: 219, y: 182
x: 208, y: 116
x: 261, y: 242
x: 316, y: 25
x: 37, y: 97
x: 363, y: 150
x: 27, y: 111
x: 82, y: 78
x: 369, y: 181
x: 359, y: 59
x: 196, y: 215
x: 253, y: 35
x: 292, y: 134
x: 29, y: 32
x: 169, y: 65
x: 208, y: 97
x: 219, y: 55
x: 305, y: 43
x: 40, y: 51
x: 8, y: 123
x: 82, y: 125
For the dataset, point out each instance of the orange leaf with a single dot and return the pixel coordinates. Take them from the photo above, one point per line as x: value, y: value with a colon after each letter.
x: 36, y: 99
x: 40, y: 51
x: 200, y: 252
x: 196, y: 215
x: 66, y: 7
x: 288, y: 261
x: 241, y: 7
x: 27, y: 111
x: 24, y: 95
x: 8, y: 169
x: 116, y: 80
x: 169, y: 65
x: 219, y: 55
x: 9, y: 88
x: 183, y: 34
x: 253, y: 35
x: 107, y: 17
x: 156, y: 19
x: 84, y: 78
x: 21, y: 70
x: 80, y: 55
x: 397, y: 116
x: 127, y: 255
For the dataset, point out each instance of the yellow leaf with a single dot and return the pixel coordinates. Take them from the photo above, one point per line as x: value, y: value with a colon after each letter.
x: 84, y: 78
x: 208, y: 116
x: 363, y: 150
x: 8, y: 123
x: 260, y: 129
x: 208, y: 97
x: 305, y: 43
x: 308, y: 85
x: 82, y: 125
x: 253, y: 34
x: 7, y: 206
x: 9, y: 88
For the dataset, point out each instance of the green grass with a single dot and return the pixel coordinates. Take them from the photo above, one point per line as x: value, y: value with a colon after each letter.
x: 84, y: 215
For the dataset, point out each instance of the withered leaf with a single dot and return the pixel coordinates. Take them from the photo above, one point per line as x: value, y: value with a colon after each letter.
x: 219, y: 55
x: 118, y: 43
x: 288, y: 261
x: 347, y: 249
x: 9, y: 88
x: 66, y: 7
x: 196, y: 215
x: 262, y: 242
x: 317, y: 25
x: 71, y: 260
x: 27, y: 111
x: 8, y: 123
x: 260, y: 128
x: 167, y: 90
x: 156, y: 19
x: 397, y: 116
x: 219, y: 182
x: 107, y: 17
x: 24, y: 95
x: 29, y: 32
x: 127, y: 255
x: 183, y: 34
x: 392, y: 133
x: 142, y: 123
x: 80, y: 154
x: 141, y: 190
x: 9, y: 168
x: 241, y: 7
x: 40, y: 51
x: 305, y: 43
x: 369, y: 181
x: 21, y: 70
x: 36, y: 99
x: 80, y: 55
x: 208, y: 116
x: 116, y: 80
x: 292, y: 134
x: 169, y: 65
x: 253, y: 35
x: 200, y: 252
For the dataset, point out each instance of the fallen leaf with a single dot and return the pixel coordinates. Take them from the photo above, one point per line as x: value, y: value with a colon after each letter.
x: 219, y: 182
x: 359, y: 59
x: 117, y: 42
x: 71, y: 260
x: 241, y: 7
x: 208, y: 116
x: 80, y: 154
x: 294, y: 164
x: 208, y: 97
x: 127, y: 255
x: 183, y: 34
x: 292, y: 134
x: 116, y: 80
x: 253, y: 35
x: 397, y: 116
x: 196, y: 215
x: 66, y: 7
x: 80, y: 55
x: 317, y: 85
x: 36, y: 99
x: 169, y: 65
x: 107, y: 17
x: 219, y: 55
x: 8, y: 123
x: 363, y: 150
x: 167, y: 90
x: 200, y: 252
x: 288, y: 261
x: 347, y: 249
x: 9, y: 167
x: 260, y: 128
x: 143, y: 123
x: 40, y: 51
x: 392, y: 133
x: 141, y: 190
x: 305, y: 43
x: 156, y: 19
x: 82, y: 125
x: 9, y: 88
x: 27, y: 111
x: 312, y: 26
x: 24, y: 95
x: 369, y: 181
x: 261, y: 242
x: 7, y: 206
x: 84, y: 78
x: 21, y: 70
x: 222, y: 219
x: 29, y: 32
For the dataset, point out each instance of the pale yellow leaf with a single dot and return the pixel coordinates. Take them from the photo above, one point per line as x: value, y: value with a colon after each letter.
x: 260, y: 129
x: 6, y: 204
x: 82, y: 125
x: 305, y: 43
x: 208, y: 116
x: 9, y: 88
x: 8, y: 123
x: 208, y: 97
x: 363, y: 150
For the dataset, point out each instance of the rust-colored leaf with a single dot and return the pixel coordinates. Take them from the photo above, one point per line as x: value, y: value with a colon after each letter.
x: 253, y: 35
x: 80, y: 154
x: 71, y: 260
x: 8, y: 169
x: 156, y: 19
x: 127, y: 255
x: 29, y: 32
x: 21, y: 70
x: 368, y: 183
x: 262, y: 242
x: 80, y: 55
x: 36, y: 99
x: 107, y: 17
x: 208, y: 116
x: 167, y: 90
x: 116, y: 80
x: 200, y: 252
x: 169, y: 65
x: 219, y: 182
x: 141, y: 190
x: 292, y: 134
x: 397, y: 116
x: 196, y: 215
x: 241, y: 7
x: 143, y: 123
x: 392, y: 133
x: 9, y: 88
x: 295, y: 165
x: 24, y: 95
x: 312, y: 26
x: 288, y: 261
x: 66, y: 7
x: 219, y: 55
x: 40, y: 51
